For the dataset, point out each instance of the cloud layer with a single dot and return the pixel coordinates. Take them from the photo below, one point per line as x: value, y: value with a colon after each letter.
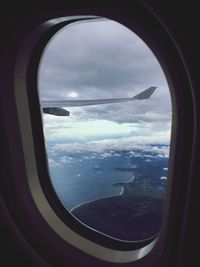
x: 66, y: 154
x: 109, y: 146
x: 103, y: 60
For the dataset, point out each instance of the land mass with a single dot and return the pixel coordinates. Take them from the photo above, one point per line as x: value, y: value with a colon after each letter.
x: 125, y: 218
x: 136, y: 213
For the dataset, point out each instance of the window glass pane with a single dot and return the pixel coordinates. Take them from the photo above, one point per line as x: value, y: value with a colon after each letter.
x: 108, y: 162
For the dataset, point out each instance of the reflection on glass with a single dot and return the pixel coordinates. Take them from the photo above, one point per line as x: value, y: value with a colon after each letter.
x: 108, y: 163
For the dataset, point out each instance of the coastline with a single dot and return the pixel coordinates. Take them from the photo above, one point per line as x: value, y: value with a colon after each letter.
x: 122, y: 192
x: 123, y: 185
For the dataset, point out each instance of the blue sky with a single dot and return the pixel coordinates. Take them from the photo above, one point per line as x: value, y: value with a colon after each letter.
x: 104, y: 59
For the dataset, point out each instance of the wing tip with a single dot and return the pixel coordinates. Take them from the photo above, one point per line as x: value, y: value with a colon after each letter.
x: 146, y: 94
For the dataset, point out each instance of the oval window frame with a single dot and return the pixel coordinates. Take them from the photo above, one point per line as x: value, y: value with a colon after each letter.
x: 23, y: 104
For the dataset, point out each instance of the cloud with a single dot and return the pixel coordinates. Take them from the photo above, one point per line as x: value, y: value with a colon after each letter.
x: 66, y: 128
x: 106, y: 155
x: 53, y: 163
x: 66, y: 160
x: 104, y: 60
x: 72, y: 94
x: 112, y: 147
x: 163, y: 178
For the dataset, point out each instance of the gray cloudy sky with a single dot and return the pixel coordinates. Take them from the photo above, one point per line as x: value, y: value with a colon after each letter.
x: 104, y: 59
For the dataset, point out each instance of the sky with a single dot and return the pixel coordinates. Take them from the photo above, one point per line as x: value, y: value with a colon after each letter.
x: 104, y: 59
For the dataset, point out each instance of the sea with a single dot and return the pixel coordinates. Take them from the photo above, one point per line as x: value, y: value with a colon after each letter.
x: 80, y: 176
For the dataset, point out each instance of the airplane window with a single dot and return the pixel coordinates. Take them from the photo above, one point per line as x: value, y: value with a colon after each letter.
x: 107, y: 123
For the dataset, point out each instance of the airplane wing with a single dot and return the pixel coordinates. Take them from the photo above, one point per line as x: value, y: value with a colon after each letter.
x: 56, y: 107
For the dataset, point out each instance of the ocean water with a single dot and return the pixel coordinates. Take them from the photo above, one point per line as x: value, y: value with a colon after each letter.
x: 81, y: 177
x: 85, y: 179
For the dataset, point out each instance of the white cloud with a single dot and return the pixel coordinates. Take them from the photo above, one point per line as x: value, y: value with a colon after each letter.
x: 72, y: 94
x: 67, y: 128
x: 65, y: 160
x: 107, y: 148
x: 163, y: 178
x: 105, y: 155
x: 53, y: 163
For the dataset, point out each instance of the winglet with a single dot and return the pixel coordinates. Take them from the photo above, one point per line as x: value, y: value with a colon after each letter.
x: 146, y: 93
